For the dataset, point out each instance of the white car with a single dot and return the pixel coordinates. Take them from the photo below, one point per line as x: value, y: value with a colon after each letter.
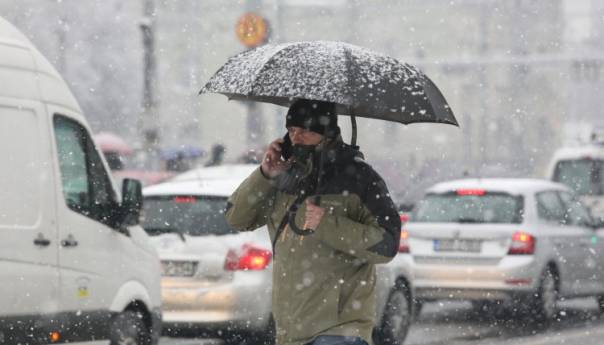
x: 75, y: 266
x: 524, y: 241
x: 219, y: 280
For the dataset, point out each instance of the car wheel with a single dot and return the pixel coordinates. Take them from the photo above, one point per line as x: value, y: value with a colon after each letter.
x: 601, y: 303
x: 265, y: 337
x: 418, y: 305
x: 545, y: 300
x: 128, y: 328
x: 489, y: 309
x: 397, y: 317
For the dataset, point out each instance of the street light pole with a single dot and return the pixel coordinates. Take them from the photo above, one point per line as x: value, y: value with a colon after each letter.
x: 148, y: 121
x: 255, y: 132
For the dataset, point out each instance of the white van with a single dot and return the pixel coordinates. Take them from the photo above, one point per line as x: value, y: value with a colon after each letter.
x: 75, y: 266
x: 581, y: 167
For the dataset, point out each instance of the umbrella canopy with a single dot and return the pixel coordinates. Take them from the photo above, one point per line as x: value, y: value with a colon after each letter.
x: 361, y: 82
x: 109, y: 142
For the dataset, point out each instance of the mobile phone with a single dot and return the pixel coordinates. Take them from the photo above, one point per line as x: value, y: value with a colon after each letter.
x: 286, y: 147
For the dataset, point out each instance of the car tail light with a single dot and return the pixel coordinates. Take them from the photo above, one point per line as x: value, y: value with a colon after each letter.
x: 250, y: 258
x: 478, y: 192
x: 404, y: 218
x: 522, y: 244
x: 404, y: 245
x: 184, y: 199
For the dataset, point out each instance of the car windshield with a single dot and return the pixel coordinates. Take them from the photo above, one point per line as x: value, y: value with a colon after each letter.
x: 190, y: 215
x: 456, y: 208
x: 584, y: 176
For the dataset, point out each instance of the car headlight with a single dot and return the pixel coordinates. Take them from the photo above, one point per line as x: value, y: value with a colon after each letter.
x: 173, y: 268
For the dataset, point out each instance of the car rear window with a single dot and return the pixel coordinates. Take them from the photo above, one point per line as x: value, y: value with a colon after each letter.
x: 185, y: 214
x: 460, y: 207
x: 584, y: 176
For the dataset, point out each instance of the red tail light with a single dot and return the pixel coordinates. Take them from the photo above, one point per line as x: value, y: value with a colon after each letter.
x: 404, y: 218
x: 404, y: 245
x: 522, y: 244
x: 184, y: 199
x: 249, y: 258
x: 478, y: 192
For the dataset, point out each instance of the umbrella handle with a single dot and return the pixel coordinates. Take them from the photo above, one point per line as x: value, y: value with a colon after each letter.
x: 292, y: 220
x: 353, y: 124
x: 298, y: 231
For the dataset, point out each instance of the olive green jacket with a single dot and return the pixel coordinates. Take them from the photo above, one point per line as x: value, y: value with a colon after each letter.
x: 324, y: 283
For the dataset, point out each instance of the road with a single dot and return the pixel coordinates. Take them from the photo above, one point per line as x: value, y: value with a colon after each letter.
x: 455, y: 323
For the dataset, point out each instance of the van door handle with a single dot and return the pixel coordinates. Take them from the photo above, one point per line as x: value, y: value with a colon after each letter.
x: 70, y: 241
x: 41, y: 241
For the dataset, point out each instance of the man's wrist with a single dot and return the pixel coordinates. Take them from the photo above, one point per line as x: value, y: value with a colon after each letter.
x: 264, y: 174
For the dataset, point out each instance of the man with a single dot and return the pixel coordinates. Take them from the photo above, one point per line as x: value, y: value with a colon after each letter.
x: 330, y: 218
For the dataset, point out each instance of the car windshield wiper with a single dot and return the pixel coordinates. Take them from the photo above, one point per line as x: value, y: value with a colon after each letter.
x: 468, y: 220
x: 158, y: 231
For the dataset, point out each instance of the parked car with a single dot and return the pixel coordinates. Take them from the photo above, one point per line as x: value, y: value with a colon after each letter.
x: 75, y: 266
x: 220, y: 280
x: 522, y: 242
x: 581, y: 168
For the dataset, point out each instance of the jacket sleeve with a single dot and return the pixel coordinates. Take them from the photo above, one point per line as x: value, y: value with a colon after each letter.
x: 375, y: 236
x: 247, y: 209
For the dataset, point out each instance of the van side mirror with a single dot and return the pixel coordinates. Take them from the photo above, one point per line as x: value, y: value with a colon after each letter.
x: 132, y: 201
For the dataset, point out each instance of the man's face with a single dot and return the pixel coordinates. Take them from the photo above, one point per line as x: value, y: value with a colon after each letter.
x: 301, y: 136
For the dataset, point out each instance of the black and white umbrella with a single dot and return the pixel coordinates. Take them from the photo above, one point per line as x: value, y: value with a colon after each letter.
x: 359, y: 81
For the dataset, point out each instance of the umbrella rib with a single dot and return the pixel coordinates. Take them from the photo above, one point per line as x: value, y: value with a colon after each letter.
x: 264, y: 66
x: 353, y: 120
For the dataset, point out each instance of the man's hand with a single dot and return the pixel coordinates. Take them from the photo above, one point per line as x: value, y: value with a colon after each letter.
x: 272, y: 165
x: 313, y: 215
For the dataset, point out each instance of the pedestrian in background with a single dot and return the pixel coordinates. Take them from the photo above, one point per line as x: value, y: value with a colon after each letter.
x: 331, y: 220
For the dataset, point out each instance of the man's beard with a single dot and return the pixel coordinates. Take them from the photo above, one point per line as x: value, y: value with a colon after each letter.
x: 301, y: 166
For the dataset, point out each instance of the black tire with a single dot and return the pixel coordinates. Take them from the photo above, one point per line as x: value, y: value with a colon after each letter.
x: 542, y: 308
x: 600, y: 300
x: 418, y: 305
x: 485, y: 309
x: 128, y: 328
x: 266, y: 337
x: 397, y: 317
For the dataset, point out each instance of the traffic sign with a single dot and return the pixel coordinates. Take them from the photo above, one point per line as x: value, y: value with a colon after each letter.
x: 252, y: 30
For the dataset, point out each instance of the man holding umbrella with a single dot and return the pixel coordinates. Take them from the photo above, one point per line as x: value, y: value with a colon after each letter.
x: 329, y: 213
x: 331, y: 220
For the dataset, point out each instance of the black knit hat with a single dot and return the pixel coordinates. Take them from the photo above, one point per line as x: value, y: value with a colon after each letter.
x: 316, y: 116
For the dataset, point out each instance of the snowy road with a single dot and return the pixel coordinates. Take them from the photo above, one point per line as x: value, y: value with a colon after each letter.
x: 456, y: 324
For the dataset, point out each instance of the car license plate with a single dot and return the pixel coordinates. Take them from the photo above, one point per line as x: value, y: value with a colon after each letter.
x: 457, y: 245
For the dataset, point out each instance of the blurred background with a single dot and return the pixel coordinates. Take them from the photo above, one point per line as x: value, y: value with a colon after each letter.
x: 522, y: 76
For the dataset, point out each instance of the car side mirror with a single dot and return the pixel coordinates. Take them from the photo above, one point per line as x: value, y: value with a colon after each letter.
x: 406, y: 207
x: 132, y: 201
x: 598, y: 223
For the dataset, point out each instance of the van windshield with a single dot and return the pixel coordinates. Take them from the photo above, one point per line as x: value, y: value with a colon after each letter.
x: 476, y: 208
x: 185, y: 214
x: 584, y: 176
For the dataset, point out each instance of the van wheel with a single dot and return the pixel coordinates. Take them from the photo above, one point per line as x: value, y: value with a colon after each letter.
x: 128, y: 328
x: 397, y: 317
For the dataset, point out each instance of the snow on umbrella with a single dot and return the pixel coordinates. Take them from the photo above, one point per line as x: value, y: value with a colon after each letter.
x: 361, y: 82
x: 108, y: 142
